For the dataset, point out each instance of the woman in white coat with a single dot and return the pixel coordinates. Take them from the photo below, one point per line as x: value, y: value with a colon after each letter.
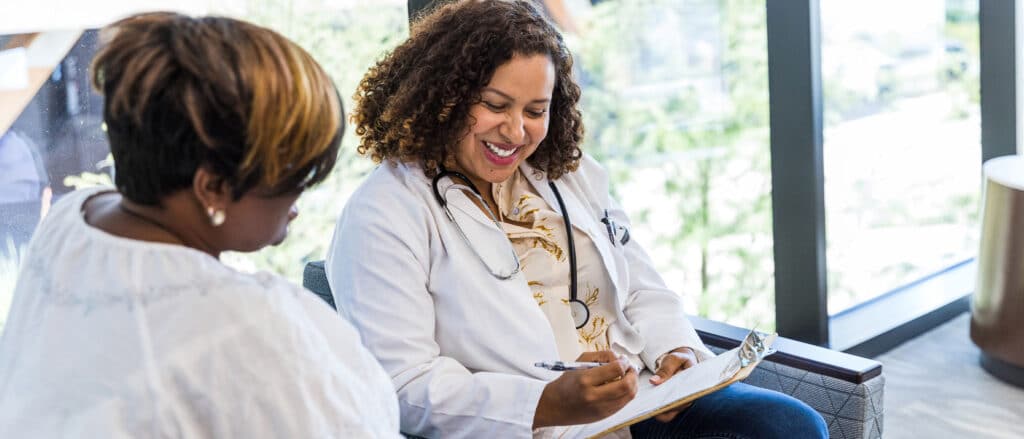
x: 487, y: 242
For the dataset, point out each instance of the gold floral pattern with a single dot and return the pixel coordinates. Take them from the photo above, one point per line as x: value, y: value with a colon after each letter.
x: 531, y: 224
x: 539, y: 297
x: 553, y: 249
x: 594, y: 336
x: 591, y: 297
x: 523, y: 207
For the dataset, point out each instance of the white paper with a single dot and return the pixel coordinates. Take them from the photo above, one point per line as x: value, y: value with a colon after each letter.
x: 650, y: 398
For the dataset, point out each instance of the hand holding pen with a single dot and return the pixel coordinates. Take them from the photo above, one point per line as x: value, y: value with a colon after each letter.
x: 588, y: 392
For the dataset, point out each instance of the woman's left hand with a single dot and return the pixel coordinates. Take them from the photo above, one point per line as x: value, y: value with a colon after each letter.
x: 672, y: 363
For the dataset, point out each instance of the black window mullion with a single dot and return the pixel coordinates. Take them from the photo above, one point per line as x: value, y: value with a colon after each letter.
x: 798, y: 199
x: 997, y: 22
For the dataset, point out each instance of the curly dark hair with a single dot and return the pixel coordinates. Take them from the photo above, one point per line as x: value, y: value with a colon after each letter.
x: 414, y: 104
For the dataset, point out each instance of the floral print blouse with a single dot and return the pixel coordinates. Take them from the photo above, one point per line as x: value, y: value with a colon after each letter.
x: 537, y: 233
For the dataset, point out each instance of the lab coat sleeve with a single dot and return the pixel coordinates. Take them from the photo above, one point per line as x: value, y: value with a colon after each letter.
x: 378, y: 267
x: 651, y: 307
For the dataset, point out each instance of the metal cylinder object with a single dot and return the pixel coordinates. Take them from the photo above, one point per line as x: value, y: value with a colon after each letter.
x: 997, y: 307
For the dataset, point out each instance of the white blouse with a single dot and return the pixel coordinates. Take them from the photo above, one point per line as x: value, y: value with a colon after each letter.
x: 113, y: 337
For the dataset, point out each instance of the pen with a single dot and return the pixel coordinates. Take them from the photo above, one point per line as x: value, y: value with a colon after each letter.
x: 561, y: 366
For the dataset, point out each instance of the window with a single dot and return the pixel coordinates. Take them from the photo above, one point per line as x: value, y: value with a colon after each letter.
x: 53, y: 141
x: 902, y: 142
x: 49, y: 134
x: 675, y: 102
x: 346, y: 38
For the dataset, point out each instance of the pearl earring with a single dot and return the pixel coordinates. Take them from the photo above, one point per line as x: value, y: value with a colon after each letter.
x: 217, y: 216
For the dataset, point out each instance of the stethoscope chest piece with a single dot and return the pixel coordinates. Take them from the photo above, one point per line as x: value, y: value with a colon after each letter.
x: 580, y: 312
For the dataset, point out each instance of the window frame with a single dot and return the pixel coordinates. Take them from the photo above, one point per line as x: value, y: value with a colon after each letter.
x: 795, y: 91
x: 798, y: 195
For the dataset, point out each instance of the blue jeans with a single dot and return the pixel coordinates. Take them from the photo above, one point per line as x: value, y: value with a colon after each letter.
x: 740, y: 411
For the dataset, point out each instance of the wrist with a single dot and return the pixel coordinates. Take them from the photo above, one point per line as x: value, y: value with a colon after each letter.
x: 683, y: 349
x: 543, y: 415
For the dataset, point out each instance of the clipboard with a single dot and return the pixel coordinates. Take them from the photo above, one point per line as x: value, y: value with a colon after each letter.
x: 705, y: 378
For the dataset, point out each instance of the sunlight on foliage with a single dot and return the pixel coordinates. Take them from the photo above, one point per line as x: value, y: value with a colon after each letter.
x: 675, y: 103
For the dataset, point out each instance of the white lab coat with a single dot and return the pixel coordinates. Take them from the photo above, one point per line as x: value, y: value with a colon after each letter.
x: 459, y: 343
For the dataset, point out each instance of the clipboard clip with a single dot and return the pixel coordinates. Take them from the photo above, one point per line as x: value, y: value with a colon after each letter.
x: 754, y: 348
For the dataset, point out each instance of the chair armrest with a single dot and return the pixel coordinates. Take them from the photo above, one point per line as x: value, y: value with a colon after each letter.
x: 845, y: 389
x: 804, y: 356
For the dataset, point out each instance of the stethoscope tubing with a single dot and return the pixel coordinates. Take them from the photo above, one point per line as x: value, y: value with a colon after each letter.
x: 573, y: 281
x: 573, y: 295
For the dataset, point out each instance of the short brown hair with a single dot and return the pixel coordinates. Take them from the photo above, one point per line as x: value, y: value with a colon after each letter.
x: 413, y: 105
x: 240, y: 99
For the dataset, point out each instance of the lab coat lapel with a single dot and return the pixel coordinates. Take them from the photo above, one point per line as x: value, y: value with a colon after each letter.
x: 459, y: 200
x: 513, y: 296
x: 482, y: 235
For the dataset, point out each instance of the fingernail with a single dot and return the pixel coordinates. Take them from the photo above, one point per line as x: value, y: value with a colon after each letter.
x: 655, y: 379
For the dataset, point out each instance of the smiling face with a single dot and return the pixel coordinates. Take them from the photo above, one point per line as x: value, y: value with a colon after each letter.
x: 509, y: 122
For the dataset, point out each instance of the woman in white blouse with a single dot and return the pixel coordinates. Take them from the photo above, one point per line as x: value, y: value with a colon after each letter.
x: 457, y: 265
x: 124, y: 321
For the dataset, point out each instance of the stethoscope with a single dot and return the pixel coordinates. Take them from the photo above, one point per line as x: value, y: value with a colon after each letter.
x: 580, y: 311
